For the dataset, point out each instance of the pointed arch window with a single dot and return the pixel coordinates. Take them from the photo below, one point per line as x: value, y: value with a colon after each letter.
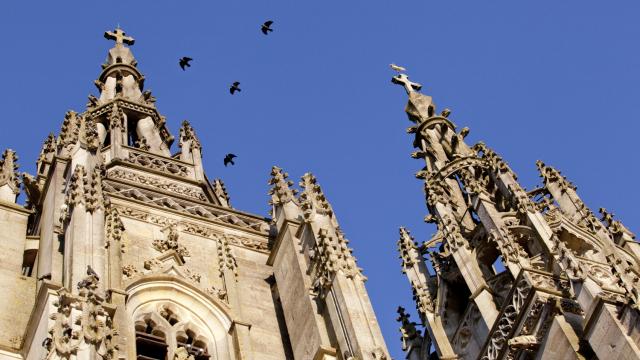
x: 166, y: 333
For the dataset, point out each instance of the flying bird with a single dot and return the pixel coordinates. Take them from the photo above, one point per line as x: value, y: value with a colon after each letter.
x: 228, y: 159
x: 235, y: 87
x: 266, y: 27
x: 184, y: 61
x: 397, y: 68
x: 91, y: 272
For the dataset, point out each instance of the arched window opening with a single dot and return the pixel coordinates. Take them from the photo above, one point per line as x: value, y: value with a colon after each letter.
x: 150, y: 340
x: 194, y: 344
x: 165, y: 332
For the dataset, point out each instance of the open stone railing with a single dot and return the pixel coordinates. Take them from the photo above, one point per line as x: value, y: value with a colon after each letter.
x: 525, y: 316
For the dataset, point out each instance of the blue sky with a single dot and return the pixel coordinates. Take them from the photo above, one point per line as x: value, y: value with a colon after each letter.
x: 549, y: 80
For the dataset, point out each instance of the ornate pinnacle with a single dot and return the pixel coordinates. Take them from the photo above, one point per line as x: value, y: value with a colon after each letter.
x: 119, y: 36
x: 408, y: 249
x: 116, y: 118
x: 280, y: 192
x: 221, y: 192
x: 312, y: 198
x: 9, y: 171
x: 188, y: 134
x: 615, y: 227
x: 551, y: 175
x: 70, y: 129
x: 408, y: 331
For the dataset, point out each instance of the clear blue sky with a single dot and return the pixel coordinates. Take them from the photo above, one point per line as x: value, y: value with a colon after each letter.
x: 550, y: 80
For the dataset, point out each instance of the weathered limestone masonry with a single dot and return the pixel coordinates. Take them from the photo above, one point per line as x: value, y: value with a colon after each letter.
x: 513, y: 274
x: 126, y: 251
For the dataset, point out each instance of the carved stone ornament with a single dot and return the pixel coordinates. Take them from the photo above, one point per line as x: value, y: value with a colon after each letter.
x: 218, y: 293
x: 157, y: 163
x: 170, y: 242
x: 81, y: 321
x: 130, y: 271
x: 9, y: 171
x: 188, y: 191
x: 280, y: 187
x: 497, y: 341
x: 312, y: 199
x: 408, y: 332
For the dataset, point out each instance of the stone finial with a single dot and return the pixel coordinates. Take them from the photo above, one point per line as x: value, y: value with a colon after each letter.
x: 312, y: 199
x: 119, y: 36
x: 9, y: 177
x: 89, y: 133
x: 221, y: 193
x: 280, y: 191
x: 48, y: 147
x: 408, y: 249
x: 408, y: 331
x: 70, y: 130
x: 116, y: 118
x: 188, y: 136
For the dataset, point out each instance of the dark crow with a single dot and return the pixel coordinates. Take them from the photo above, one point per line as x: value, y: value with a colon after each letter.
x: 234, y: 87
x: 91, y: 272
x: 185, y: 62
x: 228, y: 159
x: 266, y: 27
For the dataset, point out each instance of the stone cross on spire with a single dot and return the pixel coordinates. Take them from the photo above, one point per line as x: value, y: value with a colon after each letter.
x: 409, y: 86
x: 119, y: 36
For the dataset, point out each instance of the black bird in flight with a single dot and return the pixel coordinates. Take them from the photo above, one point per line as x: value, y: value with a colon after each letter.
x: 184, y: 61
x: 235, y: 87
x: 266, y: 27
x: 228, y: 159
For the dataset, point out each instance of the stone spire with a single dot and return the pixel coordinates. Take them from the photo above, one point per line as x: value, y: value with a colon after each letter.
x: 9, y: 177
x: 120, y: 76
x: 508, y: 249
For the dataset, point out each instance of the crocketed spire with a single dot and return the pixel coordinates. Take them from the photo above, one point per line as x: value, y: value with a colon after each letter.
x: 9, y: 177
x: 280, y: 191
x: 312, y: 199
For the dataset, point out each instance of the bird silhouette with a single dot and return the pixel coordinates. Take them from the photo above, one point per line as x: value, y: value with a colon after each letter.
x: 228, y: 159
x: 235, y: 87
x: 184, y: 61
x: 266, y: 27
x: 91, y: 272
x: 397, y: 68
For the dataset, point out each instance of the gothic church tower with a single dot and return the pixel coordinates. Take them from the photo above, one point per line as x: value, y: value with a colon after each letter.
x: 127, y: 251
x: 512, y: 274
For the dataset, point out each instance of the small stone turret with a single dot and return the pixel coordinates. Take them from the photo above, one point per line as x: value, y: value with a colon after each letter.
x: 311, y: 255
